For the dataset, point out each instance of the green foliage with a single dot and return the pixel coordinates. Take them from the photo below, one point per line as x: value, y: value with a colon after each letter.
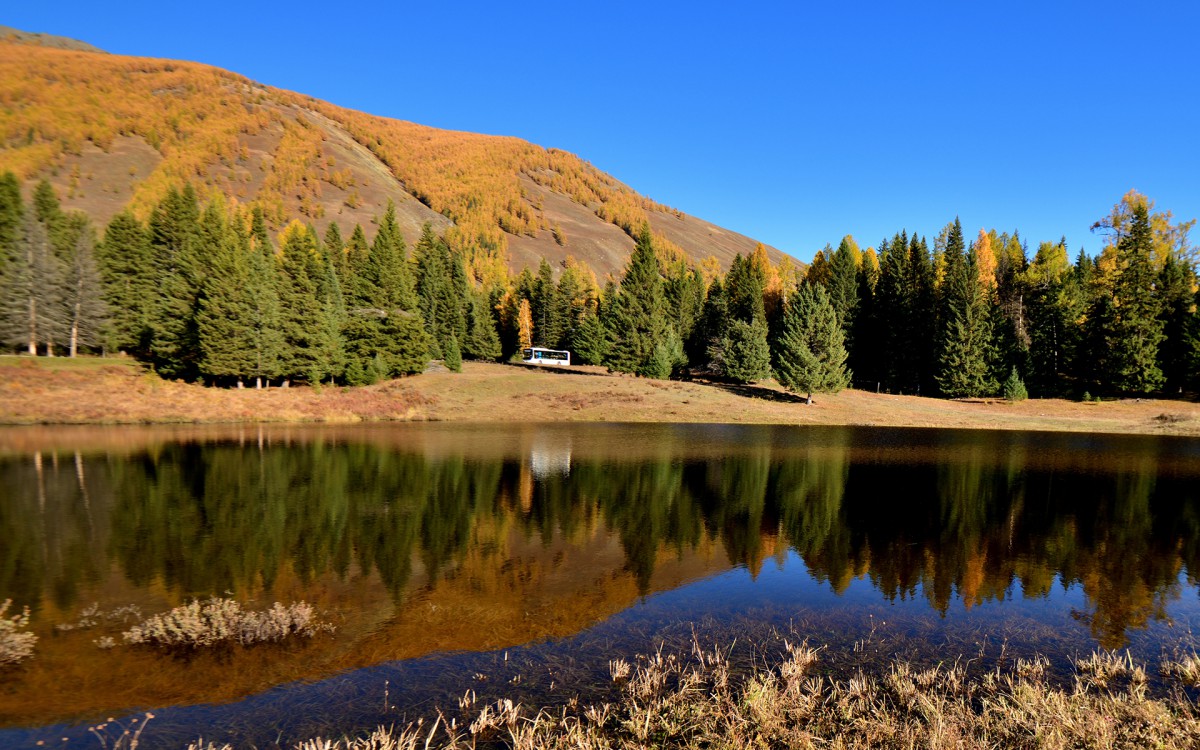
x: 453, y: 357
x: 747, y: 357
x: 1014, y: 387
x: 31, y: 296
x: 590, y: 344
x: 966, y: 342
x: 1135, y: 329
x: 812, y: 354
x: 637, y: 324
x: 483, y: 340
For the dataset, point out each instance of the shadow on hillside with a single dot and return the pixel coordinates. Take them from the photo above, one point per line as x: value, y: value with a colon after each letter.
x: 756, y: 391
x: 587, y: 370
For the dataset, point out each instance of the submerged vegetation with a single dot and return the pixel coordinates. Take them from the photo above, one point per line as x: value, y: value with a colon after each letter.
x: 697, y: 701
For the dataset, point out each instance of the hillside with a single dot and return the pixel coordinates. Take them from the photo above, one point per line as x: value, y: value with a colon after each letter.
x: 110, y: 131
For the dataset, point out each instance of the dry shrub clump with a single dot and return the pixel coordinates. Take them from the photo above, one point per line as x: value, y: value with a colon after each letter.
x: 695, y: 702
x: 15, y: 646
x: 216, y: 621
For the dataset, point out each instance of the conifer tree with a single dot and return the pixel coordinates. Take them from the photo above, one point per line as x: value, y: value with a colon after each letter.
x: 893, y: 306
x: 300, y: 271
x: 638, y: 314
x: 747, y: 357
x: 453, y: 358
x: 483, y: 341
x: 545, y: 308
x: 335, y: 249
x: 843, y: 285
x: 386, y: 280
x: 812, y: 354
x: 706, y: 344
x: 11, y: 209
x: 965, y: 346
x: 176, y: 257
x: 524, y: 325
x: 31, y: 293
x: 130, y: 285
x: 1136, y: 328
x: 590, y: 344
x: 1176, y: 282
x: 85, y: 313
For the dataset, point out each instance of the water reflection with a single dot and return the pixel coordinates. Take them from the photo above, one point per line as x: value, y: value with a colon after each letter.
x: 574, y: 523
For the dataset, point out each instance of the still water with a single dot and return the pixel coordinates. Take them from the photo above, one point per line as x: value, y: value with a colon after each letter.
x: 516, y: 561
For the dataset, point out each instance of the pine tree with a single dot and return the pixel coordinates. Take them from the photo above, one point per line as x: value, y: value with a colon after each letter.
x: 1136, y: 330
x: 638, y: 314
x: 1176, y: 283
x: 31, y: 294
x: 130, y: 285
x: 11, y: 210
x: 843, y: 285
x: 86, y: 313
x: 747, y: 355
x: 386, y: 281
x: 440, y: 289
x: 966, y: 341
x: 483, y: 341
x: 453, y: 358
x: 812, y: 354
x: 179, y: 276
x: 300, y: 270
x: 545, y: 308
x: 590, y: 344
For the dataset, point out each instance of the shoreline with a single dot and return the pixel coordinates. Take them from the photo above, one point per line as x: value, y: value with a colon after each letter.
x: 118, y: 392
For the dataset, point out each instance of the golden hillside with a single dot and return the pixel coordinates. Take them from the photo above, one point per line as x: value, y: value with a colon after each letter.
x: 110, y: 131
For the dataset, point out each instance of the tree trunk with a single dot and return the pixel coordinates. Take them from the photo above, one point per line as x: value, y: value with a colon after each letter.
x: 74, y: 348
x: 32, y: 326
x: 808, y: 401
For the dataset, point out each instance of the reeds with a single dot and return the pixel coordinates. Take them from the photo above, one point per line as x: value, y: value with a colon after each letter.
x: 15, y: 645
x: 668, y: 701
x: 215, y: 621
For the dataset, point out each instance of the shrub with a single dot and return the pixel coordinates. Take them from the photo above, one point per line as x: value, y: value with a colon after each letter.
x: 1014, y: 387
x: 224, y: 621
x: 15, y: 646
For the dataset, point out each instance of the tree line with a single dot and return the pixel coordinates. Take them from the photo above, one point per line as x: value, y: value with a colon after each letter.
x: 205, y: 291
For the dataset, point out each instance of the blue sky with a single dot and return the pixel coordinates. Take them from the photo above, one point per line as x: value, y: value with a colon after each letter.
x: 794, y: 123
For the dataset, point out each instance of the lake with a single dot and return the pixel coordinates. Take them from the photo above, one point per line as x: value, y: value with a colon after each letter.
x: 518, y: 560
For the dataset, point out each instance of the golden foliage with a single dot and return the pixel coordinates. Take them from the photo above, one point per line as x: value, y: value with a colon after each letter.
x: 207, y: 124
x: 986, y: 260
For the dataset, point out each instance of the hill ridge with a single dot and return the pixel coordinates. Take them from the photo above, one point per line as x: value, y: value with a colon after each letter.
x: 111, y: 131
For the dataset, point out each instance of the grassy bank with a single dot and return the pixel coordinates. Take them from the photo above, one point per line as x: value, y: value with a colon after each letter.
x: 694, y: 701
x: 117, y: 391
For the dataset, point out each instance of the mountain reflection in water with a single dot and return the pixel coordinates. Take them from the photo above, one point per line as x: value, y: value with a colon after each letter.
x: 422, y: 539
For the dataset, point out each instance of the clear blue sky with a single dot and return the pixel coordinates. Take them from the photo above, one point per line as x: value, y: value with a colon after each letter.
x: 794, y: 123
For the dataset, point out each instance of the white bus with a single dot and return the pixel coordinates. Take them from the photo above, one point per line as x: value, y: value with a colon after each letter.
x: 540, y: 356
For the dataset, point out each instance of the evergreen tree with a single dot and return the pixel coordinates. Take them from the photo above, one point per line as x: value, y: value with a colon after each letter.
x: 1136, y: 329
x: 11, y: 210
x: 179, y: 272
x: 1055, y: 306
x: 440, y: 295
x: 706, y: 344
x: 965, y: 346
x: 386, y: 281
x: 812, y: 355
x: 747, y: 357
x: 86, y: 313
x: 300, y: 270
x: 357, y: 250
x: 843, y: 285
x: 684, y: 290
x: 1176, y: 282
x: 130, y: 284
x: 335, y: 249
x: 638, y: 315
x: 590, y: 343
x: 894, y: 305
x: 453, y: 358
x: 545, y: 308
x: 483, y: 341
x: 31, y: 304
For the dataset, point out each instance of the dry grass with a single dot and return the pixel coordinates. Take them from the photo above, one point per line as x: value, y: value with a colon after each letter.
x: 62, y: 391
x: 694, y: 702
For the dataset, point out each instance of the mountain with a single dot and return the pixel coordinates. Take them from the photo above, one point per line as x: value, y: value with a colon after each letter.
x: 110, y: 131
